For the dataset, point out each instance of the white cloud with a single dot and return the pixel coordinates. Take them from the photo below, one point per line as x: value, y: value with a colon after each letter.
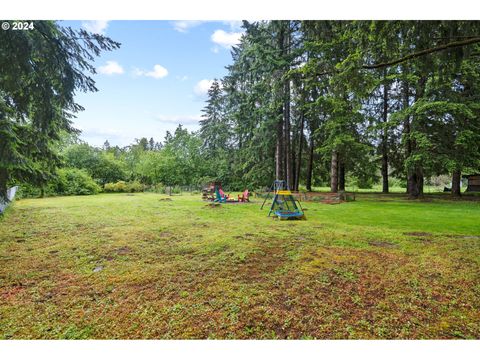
x: 182, y: 78
x: 97, y: 136
x: 235, y: 25
x: 111, y: 68
x: 185, y: 25
x: 202, y: 87
x: 95, y: 26
x: 179, y: 119
x: 158, y: 72
x: 226, y: 39
x: 102, y: 132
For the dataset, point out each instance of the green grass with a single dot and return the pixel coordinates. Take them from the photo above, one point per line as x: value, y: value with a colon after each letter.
x: 119, y: 266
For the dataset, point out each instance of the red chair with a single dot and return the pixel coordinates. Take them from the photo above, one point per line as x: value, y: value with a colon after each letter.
x: 244, y: 197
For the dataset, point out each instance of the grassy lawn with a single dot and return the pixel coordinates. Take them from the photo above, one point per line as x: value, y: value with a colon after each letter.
x: 119, y: 266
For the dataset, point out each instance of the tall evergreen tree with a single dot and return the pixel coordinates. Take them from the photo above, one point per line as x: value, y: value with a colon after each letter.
x: 214, y: 128
x: 41, y: 71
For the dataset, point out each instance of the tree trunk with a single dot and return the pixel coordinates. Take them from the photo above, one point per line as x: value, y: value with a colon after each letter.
x: 411, y: 182
x: 283, y: 169
x: 286, y: 114
x: 418, y: 178
x: 415, y: 183
x: 293, y: 146
x: 385, y: 139
x: 279, y: 152
x: 385, y: 188
x: 456, y: 186
x: 412, y: 189
x: 308, y: 181
x: 287, y: 135
x: 341, y: 176
x: 299, y: 156
x: 3, y: 184
x: 334, y: 173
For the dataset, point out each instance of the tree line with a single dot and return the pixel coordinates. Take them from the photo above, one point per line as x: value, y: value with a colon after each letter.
x: 310, y: 102
x: 327, y: 101
x: 144, y: 165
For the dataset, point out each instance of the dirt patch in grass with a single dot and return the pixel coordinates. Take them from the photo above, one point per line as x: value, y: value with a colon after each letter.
x: 385, y: 244
x: 123, y: 250
x: 417, y: 233
x: 261, y: 264
x: 214, y: 205
x: 245, y: 236
x: 120, y: 251
x: 9, y: 293
x: 463, y: 236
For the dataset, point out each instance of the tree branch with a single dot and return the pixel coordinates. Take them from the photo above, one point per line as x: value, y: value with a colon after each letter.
x: 414, y: 55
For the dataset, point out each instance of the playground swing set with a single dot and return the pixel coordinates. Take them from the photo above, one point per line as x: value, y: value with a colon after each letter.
x: 284, y: 206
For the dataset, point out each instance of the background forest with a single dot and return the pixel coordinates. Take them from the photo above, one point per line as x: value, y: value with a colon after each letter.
x: 317, y: 103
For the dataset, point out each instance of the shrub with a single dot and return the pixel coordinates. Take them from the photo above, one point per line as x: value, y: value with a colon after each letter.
x: 103, y: 167
x: 134, y: 186
x: 26, y: 190
x: 119, y: 186
x: 157, y: 188
x: 74, y: 182
x: 396, y: 182
x: 122, y: 186
x: 439, y: 181
x: 365, y: 183
x: 109, y: 187
x: 67, y: 181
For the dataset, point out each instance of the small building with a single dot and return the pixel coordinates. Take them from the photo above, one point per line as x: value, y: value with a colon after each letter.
x: 473, y: 183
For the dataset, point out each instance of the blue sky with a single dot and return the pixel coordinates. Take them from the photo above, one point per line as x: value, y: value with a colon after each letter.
x: 156, y: 80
